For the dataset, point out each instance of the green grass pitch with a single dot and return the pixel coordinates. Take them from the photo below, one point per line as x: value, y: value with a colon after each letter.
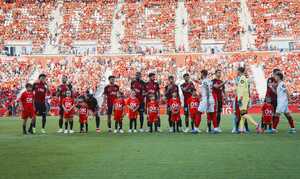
x: 145, y: 155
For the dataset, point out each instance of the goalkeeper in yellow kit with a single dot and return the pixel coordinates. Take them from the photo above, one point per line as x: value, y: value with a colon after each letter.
x: 243, y: 98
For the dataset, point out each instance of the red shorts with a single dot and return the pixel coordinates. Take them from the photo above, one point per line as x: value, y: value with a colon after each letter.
x: 132, y: 115
x: 69, y: 114
x: 118, y: 117
x: 195, y: 115
x: 83, y: 119
x: 175, y: 117
x: 152, y: 118
x: 28, y: 114
x: 267, y: 120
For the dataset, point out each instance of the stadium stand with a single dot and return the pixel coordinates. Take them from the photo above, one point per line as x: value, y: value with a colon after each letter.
x: 25, y: 21
x: 216, y: 20
x: 274, y: 18
x: 149, y: 20
x: 87, y: 21
x: 145, y: 21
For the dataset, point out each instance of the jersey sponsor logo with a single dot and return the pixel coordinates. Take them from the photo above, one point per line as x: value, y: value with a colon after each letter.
x: 133, y: 105
x: 118, y: 106
x: 268, y: 112
x: 83, y: 111
x: 29, y: 100
x: 153, y: 109
x: 174, y: 106
x: 194, y: 104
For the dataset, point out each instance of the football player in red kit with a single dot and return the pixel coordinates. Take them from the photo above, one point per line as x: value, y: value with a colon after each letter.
x: 83, y: 114
x: 152, y: 113
x: 133, y: 104
x: 152, y: 88
x: 187, y: 87
x: 61, y: 93
x: 110, y: 93
x: 118, y: 109
x: 267, y: 116
x: 27, y: 108
x: 169, y: 90
x: 68, y: 105
x: 39, y: 90
x: 174, y: 108
x: 218, y: 93
x: 193, y: 104
x: 271, y: 93
x: 138, y: 86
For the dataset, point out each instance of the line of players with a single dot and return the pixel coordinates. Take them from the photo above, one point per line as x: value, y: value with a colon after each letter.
x: 144, y: 99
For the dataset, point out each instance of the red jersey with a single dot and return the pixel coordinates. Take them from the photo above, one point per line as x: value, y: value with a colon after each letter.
x: 267, y: 113
x: 110, y: 91
x: 138, y: 86
x: 152, y: 87
x: 27, y: 100
x: 118, y: 105
x: 83, y: 112
x: 133, y: 103
x: 174, y: 105
x: 187, y: 88
x: 152, y: 111
x: 193, y: 103
x: 218, y: 92
x: 40, y: 90
x: 68, y: 103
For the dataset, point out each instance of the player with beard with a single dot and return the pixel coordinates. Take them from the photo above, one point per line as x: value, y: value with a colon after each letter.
x: 138, y: 86
x: 169, y: 90
x: 92, y: 104
x: 61, y: 93
x: 218, y: 93
x: 40, y: 89
x: 187, y: 88
x: 110, y: 94
x: 271, y: 94
x: 152, y: 88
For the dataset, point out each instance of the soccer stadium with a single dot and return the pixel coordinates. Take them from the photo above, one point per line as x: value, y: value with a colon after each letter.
x: 149, y: 89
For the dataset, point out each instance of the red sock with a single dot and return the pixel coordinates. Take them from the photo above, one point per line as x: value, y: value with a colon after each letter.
x: 291, y: 122
x: 276, y: 120
x: 197, y: 120
x: 213, y: 117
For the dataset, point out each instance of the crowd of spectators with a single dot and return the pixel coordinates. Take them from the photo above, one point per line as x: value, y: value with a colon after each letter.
x: 216, y: 20
x: 152, y: 21
x: 90, y: 20
x: 25, y: 21
x: 274, y: 18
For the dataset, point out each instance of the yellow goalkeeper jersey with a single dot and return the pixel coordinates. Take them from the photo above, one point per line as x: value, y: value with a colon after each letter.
x: 242, y: 89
